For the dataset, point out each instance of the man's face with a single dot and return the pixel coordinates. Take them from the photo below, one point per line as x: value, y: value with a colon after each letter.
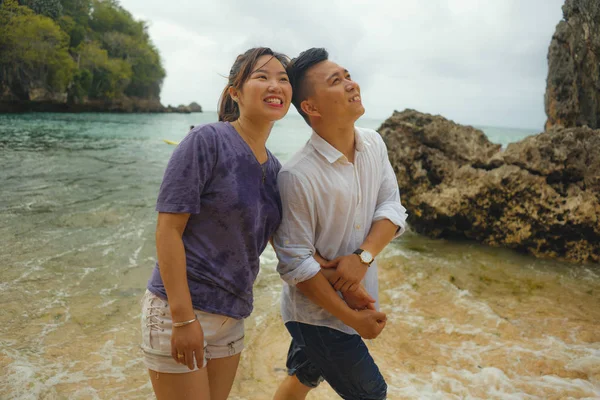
x: 333, y: 93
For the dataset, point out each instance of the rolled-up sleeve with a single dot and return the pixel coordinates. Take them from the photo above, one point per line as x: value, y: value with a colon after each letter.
x: 294, y: 240
x: 388, y: 199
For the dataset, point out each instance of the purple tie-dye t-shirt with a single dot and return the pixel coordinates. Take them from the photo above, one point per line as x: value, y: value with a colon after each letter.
x: 235, y: 208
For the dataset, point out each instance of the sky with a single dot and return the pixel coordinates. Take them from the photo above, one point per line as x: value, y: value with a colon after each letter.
x: 478, y: 62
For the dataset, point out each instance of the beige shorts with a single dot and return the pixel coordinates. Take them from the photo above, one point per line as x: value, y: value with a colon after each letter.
x: 223, y: 336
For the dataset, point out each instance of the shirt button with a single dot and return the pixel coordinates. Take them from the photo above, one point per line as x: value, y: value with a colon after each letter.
x: 357, y: 226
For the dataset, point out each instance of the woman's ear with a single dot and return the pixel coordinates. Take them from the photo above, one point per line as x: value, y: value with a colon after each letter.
x: 233, y: 93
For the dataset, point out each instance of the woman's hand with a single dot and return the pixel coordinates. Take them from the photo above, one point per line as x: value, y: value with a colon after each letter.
x: 187, y: 344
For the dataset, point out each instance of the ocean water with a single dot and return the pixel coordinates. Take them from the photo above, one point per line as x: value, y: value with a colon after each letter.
x: 77, y: 223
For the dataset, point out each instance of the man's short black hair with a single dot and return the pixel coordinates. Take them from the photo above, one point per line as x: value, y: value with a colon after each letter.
x: 296, y: 71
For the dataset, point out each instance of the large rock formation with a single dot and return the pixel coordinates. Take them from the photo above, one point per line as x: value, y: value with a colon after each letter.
x: 541, y: 195
x: 573, y: 84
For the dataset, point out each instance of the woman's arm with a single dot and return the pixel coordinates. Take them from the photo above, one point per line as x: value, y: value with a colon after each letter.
x: 171, y: 260
x: 187, y: 342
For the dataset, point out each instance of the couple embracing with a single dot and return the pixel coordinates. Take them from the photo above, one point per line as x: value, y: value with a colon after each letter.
x: 328, y: 213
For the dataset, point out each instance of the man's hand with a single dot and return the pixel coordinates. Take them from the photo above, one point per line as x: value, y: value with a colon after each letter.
x: 369, y: 323
x: 356, y: 300
x: 359, y: 299
x: 349, y: 272
x: 319, y: 258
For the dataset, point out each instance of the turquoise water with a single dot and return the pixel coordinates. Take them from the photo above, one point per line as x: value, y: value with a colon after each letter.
x: 77, y: 245
x: 504, y: 136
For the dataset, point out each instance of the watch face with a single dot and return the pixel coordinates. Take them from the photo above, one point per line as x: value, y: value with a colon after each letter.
x: 366, y: 257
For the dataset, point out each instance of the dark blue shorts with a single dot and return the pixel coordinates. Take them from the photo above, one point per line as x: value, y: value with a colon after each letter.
x: 318, y: 353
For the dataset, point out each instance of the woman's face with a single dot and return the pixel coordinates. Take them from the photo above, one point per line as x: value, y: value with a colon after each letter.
x: 267, y: 93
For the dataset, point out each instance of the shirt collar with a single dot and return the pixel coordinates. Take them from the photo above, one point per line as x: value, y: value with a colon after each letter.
x: 330, y: 153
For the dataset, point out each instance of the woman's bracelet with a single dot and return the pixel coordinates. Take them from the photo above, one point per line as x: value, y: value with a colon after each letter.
x: 184, y: 323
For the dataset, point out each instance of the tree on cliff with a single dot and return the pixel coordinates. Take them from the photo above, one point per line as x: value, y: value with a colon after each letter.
x: 90, y: 49
x: 49, y: 8
x: 99, y: 75
x: 33, y: 51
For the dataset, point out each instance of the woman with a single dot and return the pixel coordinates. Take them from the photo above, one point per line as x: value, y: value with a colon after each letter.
x: 218, y: 205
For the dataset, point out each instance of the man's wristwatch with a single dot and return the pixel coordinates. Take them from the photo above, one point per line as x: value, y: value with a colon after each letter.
x: 365, y: 256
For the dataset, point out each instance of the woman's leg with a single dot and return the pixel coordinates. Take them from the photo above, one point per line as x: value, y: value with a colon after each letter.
x: 221, y: 373
x: 176, y: 381
x: 187, y: 386
x: 211, y: 383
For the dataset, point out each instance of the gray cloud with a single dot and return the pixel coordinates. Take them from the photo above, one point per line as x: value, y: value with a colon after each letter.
x: 480, y: 62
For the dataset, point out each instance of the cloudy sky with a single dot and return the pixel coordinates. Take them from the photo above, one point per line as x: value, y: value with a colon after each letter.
x: 480, y: 62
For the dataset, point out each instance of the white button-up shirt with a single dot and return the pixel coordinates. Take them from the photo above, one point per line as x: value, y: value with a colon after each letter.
x: 329, y: 205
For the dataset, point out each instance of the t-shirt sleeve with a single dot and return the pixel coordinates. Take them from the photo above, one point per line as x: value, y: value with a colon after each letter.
x: 187, y: 173
x: 277, y: 165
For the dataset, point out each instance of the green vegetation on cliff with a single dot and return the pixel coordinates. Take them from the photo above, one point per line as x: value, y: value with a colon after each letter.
x: 73, y: 51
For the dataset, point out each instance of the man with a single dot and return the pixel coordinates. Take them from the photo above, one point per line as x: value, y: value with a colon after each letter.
x: 340, y: 201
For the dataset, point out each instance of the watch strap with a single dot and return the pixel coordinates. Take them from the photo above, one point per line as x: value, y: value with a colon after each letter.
x: 358, y: 252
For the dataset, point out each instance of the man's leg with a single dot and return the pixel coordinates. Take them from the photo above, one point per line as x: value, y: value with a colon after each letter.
x: 291, y: 389
x: 344, y: 361
x: 302, y: 375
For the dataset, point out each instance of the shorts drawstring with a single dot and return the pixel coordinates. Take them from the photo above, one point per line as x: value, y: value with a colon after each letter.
x: 152, y: 320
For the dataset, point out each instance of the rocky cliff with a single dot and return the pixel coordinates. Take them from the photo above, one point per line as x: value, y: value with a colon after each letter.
x: 573, y: 84
x: 54, y: 103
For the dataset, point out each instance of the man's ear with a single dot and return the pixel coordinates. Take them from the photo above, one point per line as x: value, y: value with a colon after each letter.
x: 309, y: 109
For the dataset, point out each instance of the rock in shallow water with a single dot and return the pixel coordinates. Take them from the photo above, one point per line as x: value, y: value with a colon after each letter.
x: 541, y: 195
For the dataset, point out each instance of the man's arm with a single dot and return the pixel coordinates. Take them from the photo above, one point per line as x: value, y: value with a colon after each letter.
x: 294, y: 240
x: 368, y: 323
x: 359, y: 299
x: 381, y: 234
x: 389, y: 222
x: 294, y: 244
x: 349, y: 270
